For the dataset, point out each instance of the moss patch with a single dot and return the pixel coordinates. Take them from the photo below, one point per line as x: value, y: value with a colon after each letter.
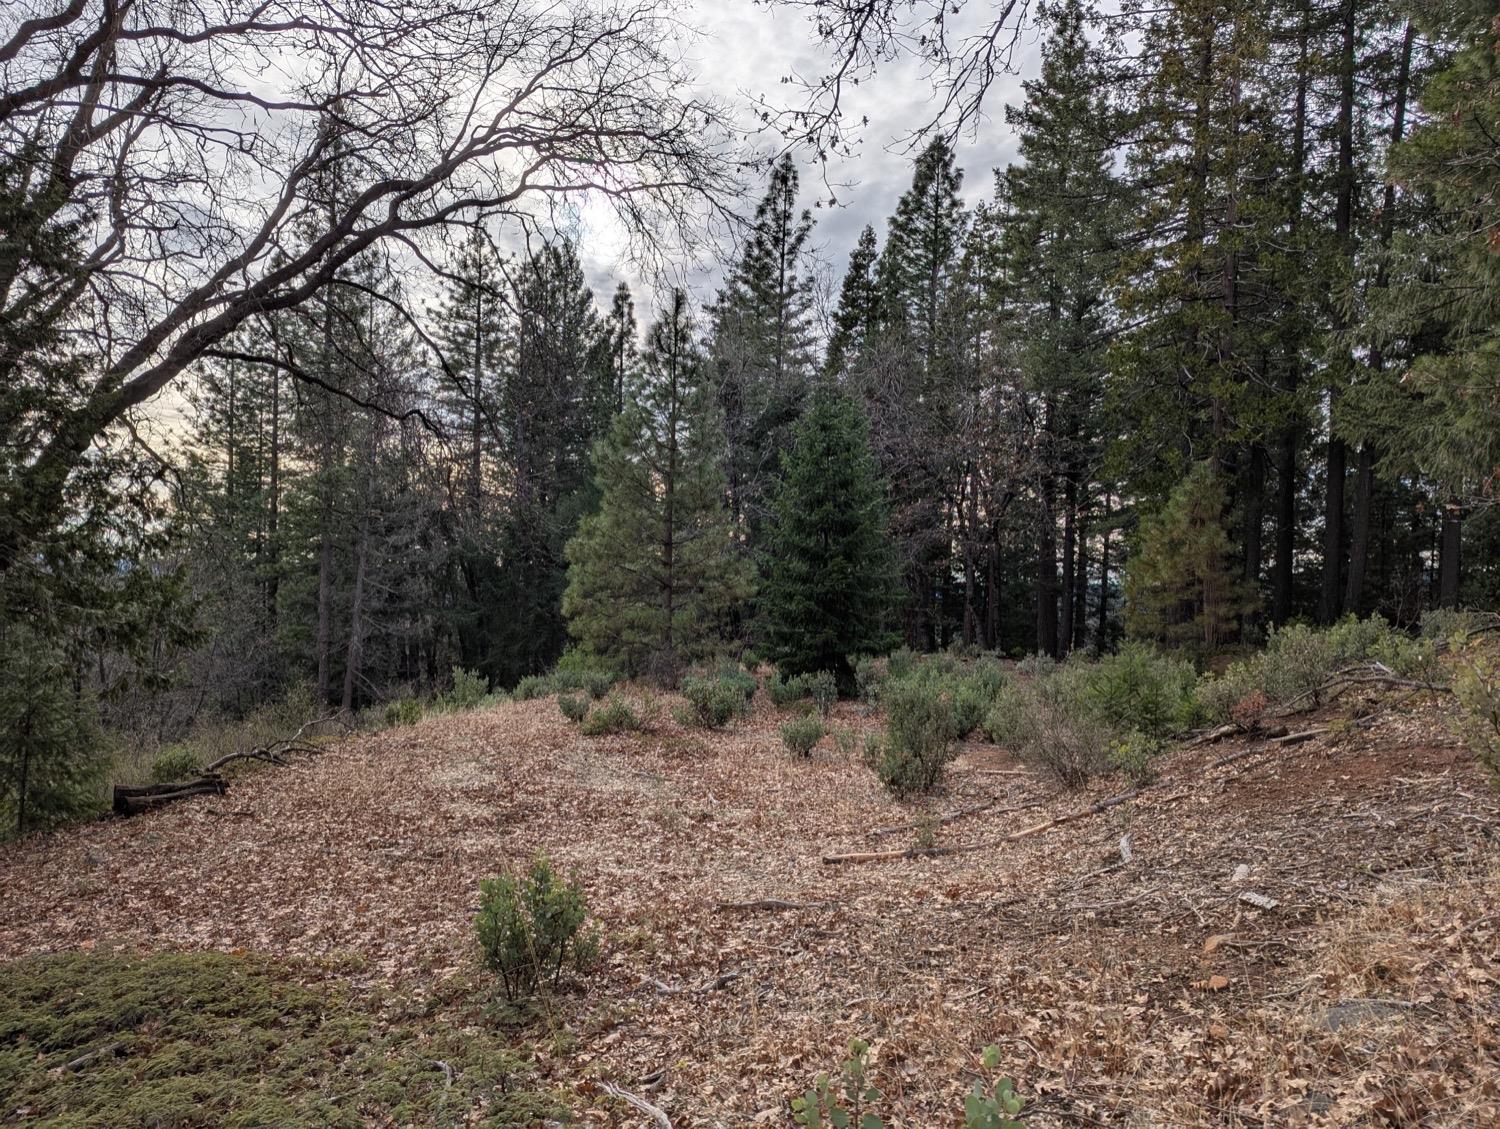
x: 199, y: 1039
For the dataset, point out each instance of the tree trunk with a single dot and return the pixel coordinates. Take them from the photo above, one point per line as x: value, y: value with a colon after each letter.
x: 1450, y: 555
x: 1065, y: 625
x: 1102, y: 639
x: 1359, y: 529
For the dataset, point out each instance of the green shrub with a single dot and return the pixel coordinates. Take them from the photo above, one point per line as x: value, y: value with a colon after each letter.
x: 530, y: 929
x: 1037, y: 666
x: 993, y: 1102
x: 174, y: 763
x: 1444, y: 625
x: 823, y: 689
x: 869, y: 675
x: 1066, y: 741
x: 801, y: 734
x: 845, y: 1105
x: 533, y: 686
x: 1004, y: 721
x: 574, y: 707
x: 1476, y: 685
x: 469, y: 689
x: 901, y: 663
x: 787, y: 690
x: 1142, y: 689
x: 1133, y: 753
x: 403, y: 711
x: 919, y: 735
x: 844, y: 740
x: 612, y: 717
x: 712, y: 702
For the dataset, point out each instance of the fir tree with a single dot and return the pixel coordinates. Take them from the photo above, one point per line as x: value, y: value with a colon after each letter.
x: 831, y: 578
x: 654, y: 573
x: 1179, y: 586
x: 855, y: 320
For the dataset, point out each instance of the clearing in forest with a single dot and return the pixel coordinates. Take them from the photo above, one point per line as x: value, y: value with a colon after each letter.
x: 1306, y: 934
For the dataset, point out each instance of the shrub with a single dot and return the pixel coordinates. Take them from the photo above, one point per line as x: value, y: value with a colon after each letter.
x: 1037, y: 666
x: 823, y: 689
x: 1133, y: 754
x: 469, y: 689
x: 786, y: 691
x: 1003, y: 722
x: 1068, y: 743
x: 574, y: 707
x: 869, y: 676
x: 733, y: 675
x: 530, y: 929
x: 175, y: 762
x: 613, y: 717
x: 901, y: 662
x: 844, y: 740
x: 403, y: 711
x: 1444, y: 625
x: 845, y: 1105
x: 712, y: 702
x: 919, y: 735
x: 801, y: 734
x: 1476, y: 685
x: 533, y: 686
x: 993, y: 1102
x: 1142, y: 689
x: 597, y: 683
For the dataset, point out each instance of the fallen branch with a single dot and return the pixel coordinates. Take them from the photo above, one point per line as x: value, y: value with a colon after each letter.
x: 276, y: 751
x: 130, y: 800
x: 641, y: 1104
x: 83, y: 1060
x: 768, y: 904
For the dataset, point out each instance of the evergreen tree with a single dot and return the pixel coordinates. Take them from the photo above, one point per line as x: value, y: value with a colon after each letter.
x: 831, y: 580
x: 1179, y: 586
x: 621, y: 346
x: 855, y: 320
x: 654, y: 572
x: 761, y: 344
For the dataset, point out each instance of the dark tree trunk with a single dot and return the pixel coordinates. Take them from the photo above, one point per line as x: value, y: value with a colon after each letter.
x: 1450, y: 553
x: 1359, y: 529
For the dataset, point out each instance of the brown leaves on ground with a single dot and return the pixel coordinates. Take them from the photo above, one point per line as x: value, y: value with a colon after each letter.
x: 1146, y: 992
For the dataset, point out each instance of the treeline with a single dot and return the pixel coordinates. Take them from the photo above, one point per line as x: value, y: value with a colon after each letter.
x: 1217, y: 352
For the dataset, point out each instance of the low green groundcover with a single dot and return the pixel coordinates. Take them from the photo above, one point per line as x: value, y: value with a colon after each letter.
x: 199, y: 1039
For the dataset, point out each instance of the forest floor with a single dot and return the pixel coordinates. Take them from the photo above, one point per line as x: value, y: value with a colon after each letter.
x: 1307, y: 935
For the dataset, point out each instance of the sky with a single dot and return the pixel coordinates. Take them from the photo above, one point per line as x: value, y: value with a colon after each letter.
x: 741, y: 52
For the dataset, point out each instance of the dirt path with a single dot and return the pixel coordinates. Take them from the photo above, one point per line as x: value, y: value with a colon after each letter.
x: 1157, y: 989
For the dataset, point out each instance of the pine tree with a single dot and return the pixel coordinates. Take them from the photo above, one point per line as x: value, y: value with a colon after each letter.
x: 1179, y: 585
x: 621, y: 347
x: 761, y: 344
x: 654, y: 573
x: 858, y: 313
x: 831, y: 580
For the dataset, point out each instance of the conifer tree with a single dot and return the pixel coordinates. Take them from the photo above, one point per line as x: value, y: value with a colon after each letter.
x: 761, y: 344
x: 1179, y: 585
x: 654, y: 572
x: 857, y: 315
x: 831, y: 580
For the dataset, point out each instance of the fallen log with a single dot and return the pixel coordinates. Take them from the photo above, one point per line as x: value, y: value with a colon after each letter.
x: 129, y: 800
x: 952, y: 817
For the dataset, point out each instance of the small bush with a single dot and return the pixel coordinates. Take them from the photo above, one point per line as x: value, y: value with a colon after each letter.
x: 574, y: 707
x: 919, y: 735
x: 993, y: 1102
x: 612, y: 717
x: 1476, y: 685
x: 1133, y: 754
x: 786, y: 690
x: 732, y: 674
x: 530, y: 929
x: 1037, y: 666
x: 469, y: 689
x: 174, y: 763
x: 823, y: 689
x: 533, y: 686
x: 1141, y: 689
x: 712, y: 702
x: 1003, y: 722
x: 845, y: 1105
x: 869, y: 675
x: 844, y: 740
x: 801, y: 734
x: 1068, y: 743
x: 403, y: 711
x: 1444, y: 625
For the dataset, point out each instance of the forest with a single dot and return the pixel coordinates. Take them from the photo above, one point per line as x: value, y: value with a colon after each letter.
x: 325, y: 451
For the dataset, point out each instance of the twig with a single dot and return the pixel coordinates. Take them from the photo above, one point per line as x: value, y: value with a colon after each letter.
x: 447, y: 1072
x: 108, y: 1051
x: 641, y: 1104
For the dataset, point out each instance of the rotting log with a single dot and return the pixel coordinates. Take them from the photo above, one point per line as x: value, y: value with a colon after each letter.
x: 134, y: 800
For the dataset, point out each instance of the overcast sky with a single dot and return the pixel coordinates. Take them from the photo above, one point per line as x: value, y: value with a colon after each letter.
x: 741, y: 52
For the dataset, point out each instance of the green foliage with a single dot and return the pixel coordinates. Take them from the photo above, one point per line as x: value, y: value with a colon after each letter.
x: 241, y: 1041
x: 1133, y: 753
x: 531, y: 687
x: 1179, y: 587
x: 1062, y: 738
x: 574, y: 707
x: 654, y: 574
x: 1142, y: 689
x: 469, y: 690
x: 615, y: 716
x: 843, y: 1104
x: 1476, y: 684
x: 1037, y: 666
x: 869, y: 675
x: 174, y: 763
x: 732, y: 674
x: 1445, y: 625
x: 1005, y: 719
x: 800, y: 735
x: 1298, y: 660
x: 713, y: 702
x: 993, y: 1102
x: 530, y: 928
x: 830, y: 570
x: 786, y: 690
x: 844, y: 740
x: 823, y: 689
x: 403, y: 711
x: 51, y: 769
x: 920, y: 728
